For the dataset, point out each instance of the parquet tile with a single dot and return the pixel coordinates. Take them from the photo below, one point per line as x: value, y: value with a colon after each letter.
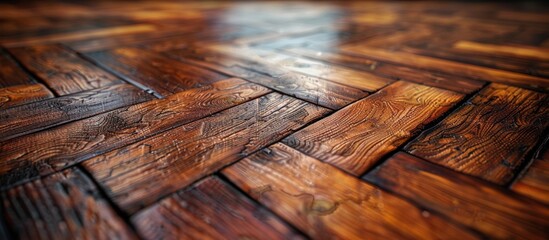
x: 274, y: 120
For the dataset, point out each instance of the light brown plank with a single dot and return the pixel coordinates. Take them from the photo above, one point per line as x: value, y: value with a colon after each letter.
x: 62, y: 69
x: 496, y: 212
x: 65, y: 205
x: 22, y: 94
x: 325, y: 203
x: 33, y: 117
x: 541, y: 54
x: 357, y: 136
x: 44, y: 152
x: 210, y: 209
x: 489, y: 136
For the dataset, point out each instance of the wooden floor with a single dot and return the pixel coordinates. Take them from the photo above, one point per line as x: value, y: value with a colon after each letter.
x: 188, y: 120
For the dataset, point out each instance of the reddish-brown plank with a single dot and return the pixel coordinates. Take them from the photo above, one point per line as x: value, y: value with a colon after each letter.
x: 490, y: 135
x: 357, y: 136
x: 449, y: 67
x: 346, y: 76
x: 62, y: 69
x: 65, y: 205
x: 22, y: 94
x: 47, y: 151
x: 139, y: 174
x: 535, y: 182
x: 311, y: 89
x: 36, y: 116
x: 393, y: 71
x: 10, y: 73
x: 210, y: 209
x: 325, y: 202
x: 162, y: 75
x: 494, y: 211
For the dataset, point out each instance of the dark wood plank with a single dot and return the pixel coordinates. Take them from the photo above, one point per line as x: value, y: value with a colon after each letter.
x: 137, y: 175
x: 324, y: 202
x: 210, y: 209
x: 489, y: 136
x: 357, y: 136
x: 32, y: 117
x: 450, y: 67
x: 346, y: 76
x: 534, y: 183
x: 62, y: 69
x: 22, y: 94
x: 48, y: 151
x: 393, y: 71
x: 65, y: 205
x: 311, y: 89
x: 10, y: 73
x: 494, y: 211
x: 162, y: 75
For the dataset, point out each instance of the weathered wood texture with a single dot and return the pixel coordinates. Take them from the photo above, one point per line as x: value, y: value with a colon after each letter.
x: 136, y: 175
x: 36, y: 116
x: 496, y: 212
x: 210, y: 209
x: 62, y: 69
x: 312, y: 89
x: 21, y: 94
x: 488, y: 136
x: 534, y: 183
x: 49, y: 151
x: 357, y: 136
x: 325, y: 202
x: 65, y: 205
x: 156, y: 72
x: 10, y: 73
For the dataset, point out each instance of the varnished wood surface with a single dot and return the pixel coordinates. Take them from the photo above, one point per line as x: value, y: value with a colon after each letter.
x: 274, y: 120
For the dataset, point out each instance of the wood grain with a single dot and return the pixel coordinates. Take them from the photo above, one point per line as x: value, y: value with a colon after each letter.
x: 326, y: 203
x: 393, y: 71
x: 489, y: 136
x: 61, y: 69
x: 162, y: 75
x: 534, y: 182
x: 357, y: 136
x: 65, y: 205
x: 494, y: 211
x: 210, y: 209
x: 541, y: 54
x: 139, y: 174
x: 311, y: 89
x: 22, y: 94
x: 450, y: 67
x: 10, y: 73
x: 32, y: 117
x: 44, y: 152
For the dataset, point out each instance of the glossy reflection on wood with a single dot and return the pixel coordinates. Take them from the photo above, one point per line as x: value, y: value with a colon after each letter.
x: 323, y: 201
x: 21, y: 94
x: 210, y: 209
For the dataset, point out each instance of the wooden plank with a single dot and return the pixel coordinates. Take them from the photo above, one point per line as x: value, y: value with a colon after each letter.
x: 65, y: 205
x: 33, y: 117
x: 494, y: 211
x: 449, y: 67
x: 48, y: 151
x: 535, y: 53
x: 357, y: 136
x: 342, y: 75
x: 324, y: 202
x: 163, y: 75
x: 139, y: 174
x: 393, y: 71
x: 61, y: 69
x: 534, y: 182
x: 311, y: 89
x: 489, y: 136
x: 22, y: 94
x: 210, y: 209
x: 10, y: 73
